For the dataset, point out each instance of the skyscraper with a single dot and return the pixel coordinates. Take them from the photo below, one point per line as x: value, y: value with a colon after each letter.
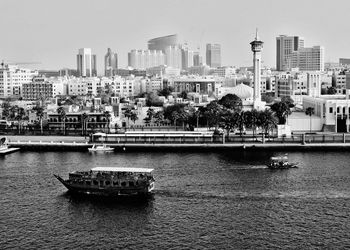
x: 197, y: 59
x: 111, y: 63
x: 174, y: 57
x: 285, y: 46
x: 308, y: 59
x: 161, y: 43
x: 187, y: 58
x: 86, y: 63
x: 213, y: 55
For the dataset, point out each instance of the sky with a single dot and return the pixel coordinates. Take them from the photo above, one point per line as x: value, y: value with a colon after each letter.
x: 52, y: 31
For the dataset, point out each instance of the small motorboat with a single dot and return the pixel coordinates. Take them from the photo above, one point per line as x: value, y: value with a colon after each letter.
x: 281, y: 162
x: 101, y: 148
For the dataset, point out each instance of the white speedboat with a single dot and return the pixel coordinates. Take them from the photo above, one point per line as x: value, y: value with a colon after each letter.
x: 100, y: 148
x: 4, y: 147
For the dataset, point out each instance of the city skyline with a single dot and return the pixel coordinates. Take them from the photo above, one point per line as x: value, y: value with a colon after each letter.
x: 54, y: 42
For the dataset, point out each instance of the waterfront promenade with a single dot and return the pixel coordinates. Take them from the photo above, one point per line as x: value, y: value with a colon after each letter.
x: 71, y: 143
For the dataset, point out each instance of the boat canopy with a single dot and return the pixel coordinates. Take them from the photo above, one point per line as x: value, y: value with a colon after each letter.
x: 116, y: 169
x: 279, y: 158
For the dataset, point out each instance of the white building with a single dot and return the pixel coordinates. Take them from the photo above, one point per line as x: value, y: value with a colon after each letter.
x: 224, y: 71
x: 12, y: 78
x: 174, y: 57
x: 143, y: 59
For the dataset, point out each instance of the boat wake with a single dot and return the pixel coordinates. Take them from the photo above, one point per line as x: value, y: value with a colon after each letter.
x: 252, y: 196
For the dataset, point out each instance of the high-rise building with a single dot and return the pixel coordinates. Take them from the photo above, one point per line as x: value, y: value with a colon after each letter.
x: 309, y: 59
x: 187, y: 58
x: 111, y: 63
x: 161, y: 43
x: 86, y: 63
x: 174, y: 57
x: 197, y: 59
x: 285, y: 46
x: 344, y: 61
x: 144, y: 59
x: 213, y: 55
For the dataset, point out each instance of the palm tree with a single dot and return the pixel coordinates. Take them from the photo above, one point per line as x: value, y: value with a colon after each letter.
x: 127, y: 113
x: 282, y: 111
x: 62, y: 114
x: 310, y: 111
x: 107, y: 115
x: 40, y: 114
x: 241, y: 121
x: 134, y: 117
x: 150, y: 113
x: 6, y: 107
x: 21, y: 114
x: 159, y: 117
x: 183, y: 116
x: 252, y: 120
x: 229, y: 121
x: 267, y: 120
x: 174, y: 116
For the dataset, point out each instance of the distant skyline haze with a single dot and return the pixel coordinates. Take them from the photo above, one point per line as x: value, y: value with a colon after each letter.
x: 52, y: 32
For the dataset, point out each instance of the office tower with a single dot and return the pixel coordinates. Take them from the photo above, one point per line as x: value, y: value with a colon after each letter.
x: 161, y: 43
x: 257, y: 46
x: 285, y: 46
x: 309, y: 59
x: 111, y: 63
x: 344, y: 61
x: 187, y: 58
x: 197, y: 59
x: 173, y: 57
x: 144, y: 59
x: 213, y: 55
x: 86, y: 63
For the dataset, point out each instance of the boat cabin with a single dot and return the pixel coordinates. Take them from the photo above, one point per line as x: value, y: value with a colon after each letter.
x: 112, y: 177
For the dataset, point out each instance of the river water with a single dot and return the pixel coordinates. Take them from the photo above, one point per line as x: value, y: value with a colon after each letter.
x: 202, y: 201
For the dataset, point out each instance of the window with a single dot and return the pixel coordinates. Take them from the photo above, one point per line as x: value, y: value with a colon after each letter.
x: 330, y: 110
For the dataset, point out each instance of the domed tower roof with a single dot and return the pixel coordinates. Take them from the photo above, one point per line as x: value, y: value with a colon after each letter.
x: 243, y: 91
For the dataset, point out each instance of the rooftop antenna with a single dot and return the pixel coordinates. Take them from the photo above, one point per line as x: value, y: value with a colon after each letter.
x: 256, y: 35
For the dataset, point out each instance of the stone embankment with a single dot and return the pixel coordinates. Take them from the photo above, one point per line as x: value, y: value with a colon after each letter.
x: 66, y: 143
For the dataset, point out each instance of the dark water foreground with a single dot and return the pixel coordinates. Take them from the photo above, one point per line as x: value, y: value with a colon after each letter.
x: 202, y: 201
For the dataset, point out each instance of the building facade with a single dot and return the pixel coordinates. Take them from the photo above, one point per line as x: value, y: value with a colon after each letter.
x: 213, y: 55
x: 37, y: 89
x: 161, y: 43
x: 144, y: 59
x: 174, y: 57
x: 111, y: 63
x: 86, y: 63
x: 12, y: 78
x: 285, y: 46
x: 309, y: 59
x: 197, y: 59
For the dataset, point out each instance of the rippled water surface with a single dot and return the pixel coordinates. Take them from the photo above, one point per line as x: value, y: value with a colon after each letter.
x: 202, y: 201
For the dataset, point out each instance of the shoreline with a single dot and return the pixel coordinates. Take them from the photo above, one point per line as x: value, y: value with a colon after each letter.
x: 162, y: 147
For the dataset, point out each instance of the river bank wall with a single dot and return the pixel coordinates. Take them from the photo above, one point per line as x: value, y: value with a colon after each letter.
x: 62, y: 143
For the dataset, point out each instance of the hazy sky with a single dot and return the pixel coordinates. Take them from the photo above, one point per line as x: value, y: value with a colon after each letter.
x: 52, y: 31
